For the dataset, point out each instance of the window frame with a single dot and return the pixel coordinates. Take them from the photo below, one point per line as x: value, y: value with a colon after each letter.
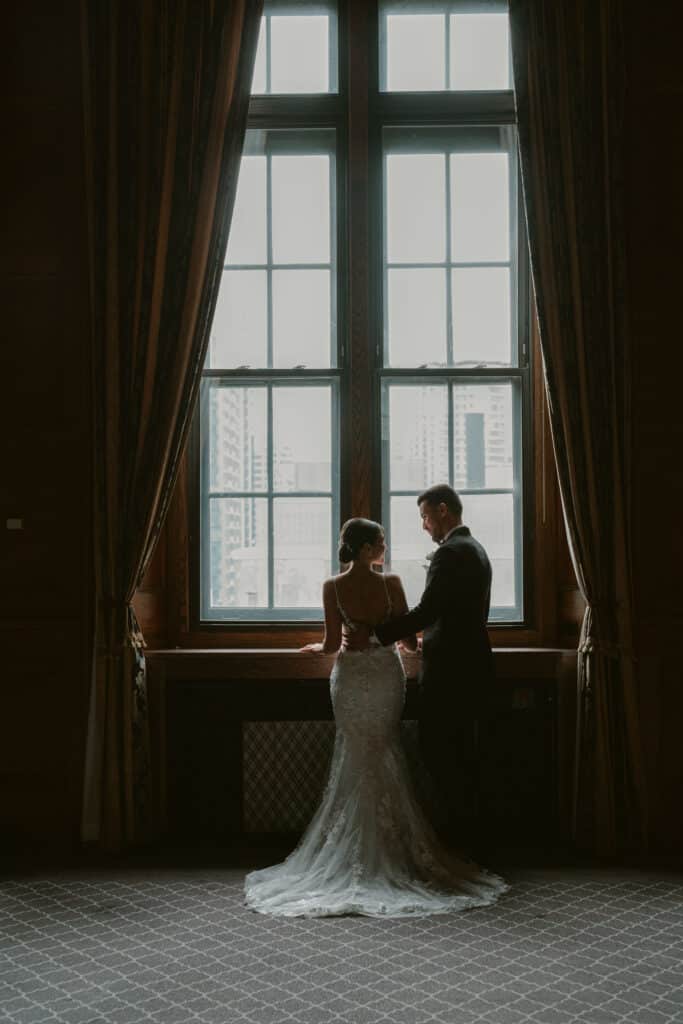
x: 358, y: 114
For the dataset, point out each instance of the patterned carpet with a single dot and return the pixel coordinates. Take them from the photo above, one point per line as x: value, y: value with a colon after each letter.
x: 178, y: 946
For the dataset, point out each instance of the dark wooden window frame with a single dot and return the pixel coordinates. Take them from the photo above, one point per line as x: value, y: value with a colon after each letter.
x: 358, y: 115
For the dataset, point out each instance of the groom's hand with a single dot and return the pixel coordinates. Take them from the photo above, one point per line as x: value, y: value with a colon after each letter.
x: 411, y: 650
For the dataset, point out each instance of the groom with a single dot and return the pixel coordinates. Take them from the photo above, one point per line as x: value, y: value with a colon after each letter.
x: 457, y: 664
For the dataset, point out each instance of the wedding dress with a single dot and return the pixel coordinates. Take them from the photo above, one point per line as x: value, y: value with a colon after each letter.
x: 369, y: 849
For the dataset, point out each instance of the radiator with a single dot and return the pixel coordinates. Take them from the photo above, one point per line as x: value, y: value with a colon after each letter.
x: 284, y: 771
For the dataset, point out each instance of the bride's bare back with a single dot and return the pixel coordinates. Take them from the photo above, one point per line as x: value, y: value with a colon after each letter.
x: 357, y: 601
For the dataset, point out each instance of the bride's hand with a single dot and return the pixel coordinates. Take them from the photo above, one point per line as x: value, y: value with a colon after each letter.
x: 312, y: 648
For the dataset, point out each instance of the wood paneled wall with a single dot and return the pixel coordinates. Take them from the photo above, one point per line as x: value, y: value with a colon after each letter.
x: 45, y: 436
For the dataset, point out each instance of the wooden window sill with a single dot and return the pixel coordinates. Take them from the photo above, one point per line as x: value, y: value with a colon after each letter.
x: 288, y: 664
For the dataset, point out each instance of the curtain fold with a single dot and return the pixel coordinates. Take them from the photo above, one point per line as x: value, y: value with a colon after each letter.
x: 569, y: 86
x: 166, y: 88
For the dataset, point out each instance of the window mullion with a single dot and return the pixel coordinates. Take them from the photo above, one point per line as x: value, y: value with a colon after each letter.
x: 269, y: 260
x: 451, y: 433
x: 271, y: 524
x: 449, y: 257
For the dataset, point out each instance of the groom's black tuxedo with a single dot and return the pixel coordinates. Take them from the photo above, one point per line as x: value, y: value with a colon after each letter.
x: 457, y: 663
x: 457, y: 668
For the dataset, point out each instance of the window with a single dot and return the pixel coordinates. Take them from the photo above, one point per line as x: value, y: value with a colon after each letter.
x: 297, y: 49
x: 457, y: 45
x: 452, y: 404
x: 369, y: 339
x: 270, y: 398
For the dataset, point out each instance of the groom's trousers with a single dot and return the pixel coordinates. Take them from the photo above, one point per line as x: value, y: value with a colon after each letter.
x: 451, y: 744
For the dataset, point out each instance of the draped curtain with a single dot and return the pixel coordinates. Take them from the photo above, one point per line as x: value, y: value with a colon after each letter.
x: 569, y: 85
x: 166, y: 87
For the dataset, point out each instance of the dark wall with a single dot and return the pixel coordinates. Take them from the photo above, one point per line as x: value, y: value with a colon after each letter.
x: 45, y: 436
x: 44, y: 427
x: 655, y: 241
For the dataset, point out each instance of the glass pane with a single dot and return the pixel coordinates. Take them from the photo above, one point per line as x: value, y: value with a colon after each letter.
x: 301, y: 208
x: 302, y: 544
x: 299, y: 47
x: 302, y: 439
x: 238, y: 540
x: 239, y: 329
x: 415, y: 52
x: 480, y: 51
x: 483, y: 433
x: 301, y: 318
x: 480, y: 207
x: 258, y: 82
x: 416, y: 317
x: 416, y: 208
x: 418, y: 432
x: 481, y: 316
x: 237, y: 439
x: 247, y: 240
x: 410, y: 545
x: 490, y: 517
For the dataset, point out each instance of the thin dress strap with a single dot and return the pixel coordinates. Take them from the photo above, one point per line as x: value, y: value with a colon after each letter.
x: 345, y: 619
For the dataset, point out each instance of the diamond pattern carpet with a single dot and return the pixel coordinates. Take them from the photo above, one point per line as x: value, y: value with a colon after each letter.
x: 565, y: 945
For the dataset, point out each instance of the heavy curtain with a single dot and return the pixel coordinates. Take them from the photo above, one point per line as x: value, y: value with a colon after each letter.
x: 166, y: 87
x: 569, y: 85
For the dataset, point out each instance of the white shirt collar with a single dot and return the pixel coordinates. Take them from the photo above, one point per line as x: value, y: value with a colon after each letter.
x: 452, y: 530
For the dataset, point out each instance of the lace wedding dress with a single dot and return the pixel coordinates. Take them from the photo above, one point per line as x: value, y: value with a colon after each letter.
x: 369, y: 848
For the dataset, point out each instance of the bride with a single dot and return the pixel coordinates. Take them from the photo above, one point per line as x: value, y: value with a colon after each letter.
x: 369, y: 848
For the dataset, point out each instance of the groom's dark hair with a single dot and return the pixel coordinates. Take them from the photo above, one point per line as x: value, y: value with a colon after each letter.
x: 442, y: 493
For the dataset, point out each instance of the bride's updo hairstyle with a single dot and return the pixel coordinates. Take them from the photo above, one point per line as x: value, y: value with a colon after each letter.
x: 354, y: 534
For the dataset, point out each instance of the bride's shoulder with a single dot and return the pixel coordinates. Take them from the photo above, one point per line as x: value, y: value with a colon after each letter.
x: 331, y: 582
x: 334, y: 579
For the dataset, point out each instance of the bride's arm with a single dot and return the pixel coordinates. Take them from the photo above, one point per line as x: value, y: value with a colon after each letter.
x: 400, y: 607
x: 333, y: 626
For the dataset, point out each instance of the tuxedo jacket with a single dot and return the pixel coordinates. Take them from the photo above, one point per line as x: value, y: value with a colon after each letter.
x: 457, y: 663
